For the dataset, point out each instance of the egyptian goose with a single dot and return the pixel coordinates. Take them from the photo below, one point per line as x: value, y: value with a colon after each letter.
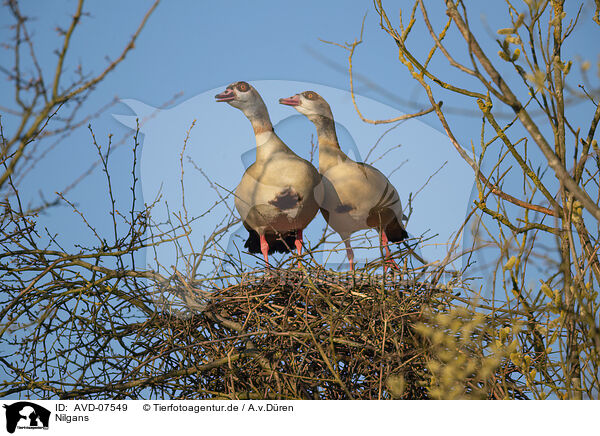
x: 275, y: 197
x: 353, y: 196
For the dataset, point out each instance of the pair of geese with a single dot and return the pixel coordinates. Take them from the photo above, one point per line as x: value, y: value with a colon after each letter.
x: 280, y: 193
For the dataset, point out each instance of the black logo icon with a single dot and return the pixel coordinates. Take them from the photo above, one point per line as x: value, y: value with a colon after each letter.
x: 26, y: 415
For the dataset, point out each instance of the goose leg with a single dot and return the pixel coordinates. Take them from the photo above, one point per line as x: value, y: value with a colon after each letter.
x: 299, y: 245
x: 264, y: 248
x: 349, y: 253
x: 388, y: 254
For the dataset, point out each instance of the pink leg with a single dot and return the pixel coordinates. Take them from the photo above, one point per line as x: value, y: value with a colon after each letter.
x: 388, y: 254
x: 299, y: 245
x: 264, y: 248
x: 299, y: 242
x: 349, y: 253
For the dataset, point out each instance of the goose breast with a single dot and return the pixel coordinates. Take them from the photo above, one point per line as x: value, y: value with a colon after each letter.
x: 278, y: 193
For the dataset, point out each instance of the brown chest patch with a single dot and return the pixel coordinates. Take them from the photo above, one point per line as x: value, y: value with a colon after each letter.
x: 344, y: 208
x: 286, y: 199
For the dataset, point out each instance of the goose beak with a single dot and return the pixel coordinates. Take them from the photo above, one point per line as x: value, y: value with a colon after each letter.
x: 226, y: 95
x: 290, y: 101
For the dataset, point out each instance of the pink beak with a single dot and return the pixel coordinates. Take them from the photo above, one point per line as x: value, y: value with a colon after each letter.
x: 226, y: 95
x: 290, y: 101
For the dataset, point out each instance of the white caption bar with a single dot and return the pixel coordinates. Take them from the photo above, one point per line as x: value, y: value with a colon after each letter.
x: 287, y: 418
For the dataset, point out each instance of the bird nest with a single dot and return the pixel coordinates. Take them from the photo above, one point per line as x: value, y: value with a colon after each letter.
x: 292, y: 334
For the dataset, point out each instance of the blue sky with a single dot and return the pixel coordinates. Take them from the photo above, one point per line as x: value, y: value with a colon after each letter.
x: 189, y: 48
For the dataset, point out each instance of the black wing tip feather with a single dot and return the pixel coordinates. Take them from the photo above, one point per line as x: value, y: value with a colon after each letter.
x: 386, y: 220
x: 395, y: 232
x: 277, y: 243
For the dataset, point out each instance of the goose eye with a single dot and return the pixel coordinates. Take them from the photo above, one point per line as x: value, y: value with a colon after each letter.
x: 310, y: 95
x: 243, y: 86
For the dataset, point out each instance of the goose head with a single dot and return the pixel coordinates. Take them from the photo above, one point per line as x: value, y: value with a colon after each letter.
x: 309, y: 104
x: 244, y: 97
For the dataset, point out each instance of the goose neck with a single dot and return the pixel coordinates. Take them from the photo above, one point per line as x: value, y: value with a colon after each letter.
x: 325, y: 131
